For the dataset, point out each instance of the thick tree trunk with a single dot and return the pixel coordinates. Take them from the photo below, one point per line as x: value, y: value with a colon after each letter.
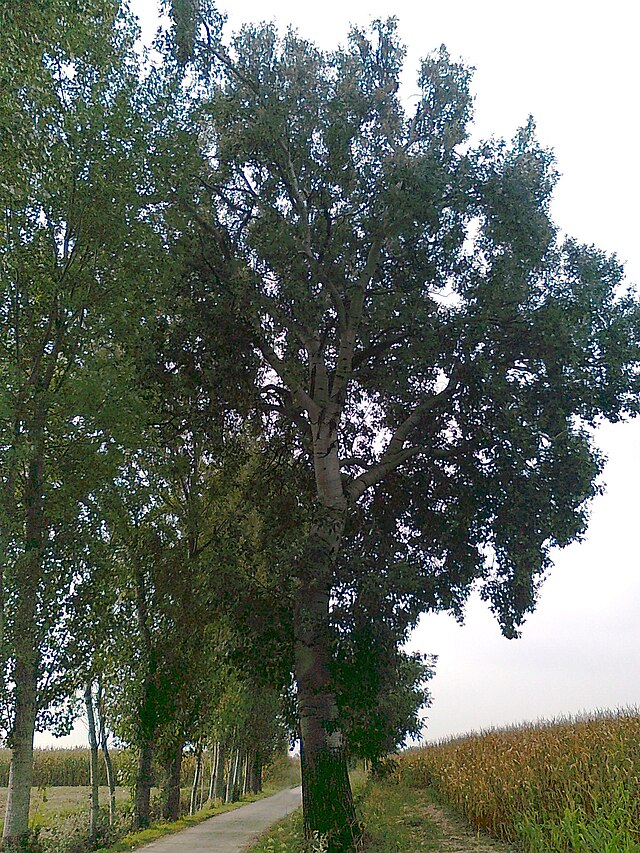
x: 144, y: 782
x: 94, y: 803
x: 193, y: 804
x: 218, y: 773
x: 171, y: 809
x: 16, y: 824
x: 104, y: 746
x: 326, y: 791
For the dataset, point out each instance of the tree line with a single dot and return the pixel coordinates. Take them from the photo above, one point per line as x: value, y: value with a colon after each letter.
x: 284, y: 364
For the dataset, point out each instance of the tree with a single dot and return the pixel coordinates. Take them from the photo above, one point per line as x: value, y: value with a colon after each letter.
x: 440, y: 350
x: 78, y: 252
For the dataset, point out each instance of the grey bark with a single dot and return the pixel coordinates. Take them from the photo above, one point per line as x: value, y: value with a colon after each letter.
x: 104, y: 746
x: 27, y: 656
x: 218, y: 782
x: 144, y: 781
x: 16, y: 825
x: 232, y: 776
x: 94, y: 803
x: 173, y: 770
x: 193, y: 805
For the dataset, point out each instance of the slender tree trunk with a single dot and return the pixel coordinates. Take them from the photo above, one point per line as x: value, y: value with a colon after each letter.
x: 27, y: 653
x: 256, y: 786
x: 148, y: 718
x: 218, y: 782
x: 104, y: 746
x: 94, y: 803
x: 193, y: 805
x: 232, y: 778
x: 171, y: 810
x: 248, y: 771
x: 201, y: 795
x: 213, y: 757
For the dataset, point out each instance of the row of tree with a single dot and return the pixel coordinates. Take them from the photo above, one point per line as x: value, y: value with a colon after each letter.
x: 283, y: 365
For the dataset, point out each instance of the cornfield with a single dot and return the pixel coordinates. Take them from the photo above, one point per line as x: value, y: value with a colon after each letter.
x: 57, y: 767
x: 572, y: 785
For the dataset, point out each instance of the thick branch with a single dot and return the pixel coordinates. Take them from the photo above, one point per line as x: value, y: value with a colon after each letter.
x: 396, y: 453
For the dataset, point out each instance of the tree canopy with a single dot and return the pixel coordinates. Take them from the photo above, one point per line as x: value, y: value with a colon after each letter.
x: 286, y: 363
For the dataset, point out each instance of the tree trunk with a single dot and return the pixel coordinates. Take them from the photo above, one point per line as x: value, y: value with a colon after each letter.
x: 148, y: 715
x: 104, y: 745
x: 144, y: 782
x: 16, y: 824
x: 256, y: 782
x: 218, y: 782
x: 232, y: 776
x: 212, y: 772
x: 193, y: 805
x: 27, y: 652
x: 171, y: 810
x: 248, y: 772
x: 94, y: 803
x: 326, y: 791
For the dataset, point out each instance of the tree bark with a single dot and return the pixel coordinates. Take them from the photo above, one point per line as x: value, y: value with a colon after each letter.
x: 148, y: 716
x: 232, y: 776
x: 256, y: 782
x: 327, y: 800
x: 144, y: 782
x: 248, y: 772
x: 16, y: 824
x: 171, y: 809
x: 27, y: 652
x: 218, y: 782
x: 193, y: 804
x: 104, y: 746
x: 94, y: 803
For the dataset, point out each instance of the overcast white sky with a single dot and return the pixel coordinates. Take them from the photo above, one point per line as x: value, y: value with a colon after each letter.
x: 574, y: 65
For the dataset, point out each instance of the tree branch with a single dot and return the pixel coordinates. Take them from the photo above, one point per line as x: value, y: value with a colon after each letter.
x: 396, y: 453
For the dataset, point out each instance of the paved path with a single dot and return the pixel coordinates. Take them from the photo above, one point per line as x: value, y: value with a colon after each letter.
x: 231, y: 832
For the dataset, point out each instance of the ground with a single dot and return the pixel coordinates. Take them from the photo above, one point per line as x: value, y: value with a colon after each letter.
x: 61, y: 800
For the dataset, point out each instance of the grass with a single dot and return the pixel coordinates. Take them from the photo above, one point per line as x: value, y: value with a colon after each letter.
x: 567, y: 787
x: 51, y: 803
x: 395, y: 818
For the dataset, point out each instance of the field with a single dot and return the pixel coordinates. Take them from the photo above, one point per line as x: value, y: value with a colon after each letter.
x: 47, y: 803
x: 567, y: 787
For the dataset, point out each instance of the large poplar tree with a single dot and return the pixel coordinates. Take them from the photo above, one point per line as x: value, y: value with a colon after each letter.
x: 439, y: 348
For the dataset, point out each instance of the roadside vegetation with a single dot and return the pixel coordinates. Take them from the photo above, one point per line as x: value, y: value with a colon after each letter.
x: 285, y: 362
x: 571, y: 786
x: 58, y: 813
x: 397, y: 819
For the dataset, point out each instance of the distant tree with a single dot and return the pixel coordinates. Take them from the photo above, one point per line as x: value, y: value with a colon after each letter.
x: 439, y: 349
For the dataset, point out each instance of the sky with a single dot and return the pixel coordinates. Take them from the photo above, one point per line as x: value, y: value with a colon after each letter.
x: 575, y: 67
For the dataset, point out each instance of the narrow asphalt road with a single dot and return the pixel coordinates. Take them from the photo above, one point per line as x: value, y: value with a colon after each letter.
x: 231, y: 832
